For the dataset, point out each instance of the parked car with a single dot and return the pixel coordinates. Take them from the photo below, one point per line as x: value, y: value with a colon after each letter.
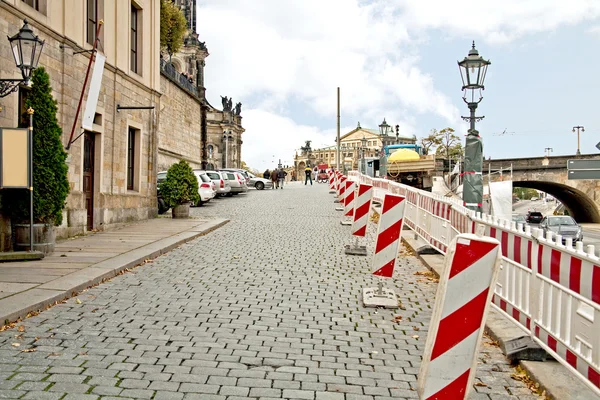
x: 223, y: 187
x: 534, y: 217
x: 259, y: 183
x: 206, y: 187
x: 519, y: 219
x: 237, y: 182
x: 563, y: 225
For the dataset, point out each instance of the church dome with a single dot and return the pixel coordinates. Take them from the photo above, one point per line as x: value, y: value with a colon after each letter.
x: 401, y: 155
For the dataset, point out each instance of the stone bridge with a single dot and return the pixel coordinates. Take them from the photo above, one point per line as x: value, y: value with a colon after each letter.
x: 549, y: 174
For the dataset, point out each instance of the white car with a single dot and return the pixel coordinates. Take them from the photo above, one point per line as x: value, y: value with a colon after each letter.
x: 206, y: 187
x: 258, y: 182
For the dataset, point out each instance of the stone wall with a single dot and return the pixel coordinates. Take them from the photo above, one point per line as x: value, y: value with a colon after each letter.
x: 179, y: 134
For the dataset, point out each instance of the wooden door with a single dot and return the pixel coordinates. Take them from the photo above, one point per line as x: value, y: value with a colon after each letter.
x: 88, y: 176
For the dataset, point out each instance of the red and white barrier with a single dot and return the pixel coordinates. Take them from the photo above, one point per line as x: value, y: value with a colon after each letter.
x: 349, y: 202
x: 462, y: 302
x: 341, y: 193
x: 361, y: 211
x: 331, y: 182
x: 388, y: 235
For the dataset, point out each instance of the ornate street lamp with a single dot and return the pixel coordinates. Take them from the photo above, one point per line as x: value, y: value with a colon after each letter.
x: 363, y: 148
x: 473, y: 69
x: 384, y: 128
x: 27, y: 49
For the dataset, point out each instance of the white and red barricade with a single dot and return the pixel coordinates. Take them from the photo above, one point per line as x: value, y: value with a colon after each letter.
x: 462, y: 302
x: 361, y: 210
x: 349, y: 202
x: 341, y: 192
x: 331, y: 182
x: 388, y: 235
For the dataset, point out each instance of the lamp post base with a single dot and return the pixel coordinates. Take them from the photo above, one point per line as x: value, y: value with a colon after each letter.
x: 355, y: 250
x: 379, y: 297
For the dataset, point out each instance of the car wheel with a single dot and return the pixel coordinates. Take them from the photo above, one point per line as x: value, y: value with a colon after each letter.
x: 162, y: 206
x: 259, y: 186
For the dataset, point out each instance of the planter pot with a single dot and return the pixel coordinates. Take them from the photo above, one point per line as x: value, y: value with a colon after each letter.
x: 181, y: 211
x: 44, y: 237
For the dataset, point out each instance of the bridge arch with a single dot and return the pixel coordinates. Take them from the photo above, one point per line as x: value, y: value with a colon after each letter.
x: 579, y: 205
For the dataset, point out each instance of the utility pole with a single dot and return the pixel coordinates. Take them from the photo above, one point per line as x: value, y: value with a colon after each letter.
x: 338, y: 131
x: 578, y: 127
x: 548, y: 150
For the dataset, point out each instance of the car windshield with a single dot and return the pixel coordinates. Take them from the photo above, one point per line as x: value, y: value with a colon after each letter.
x: 555, y: 221
x: 161, y: 176
x: 213, y: 175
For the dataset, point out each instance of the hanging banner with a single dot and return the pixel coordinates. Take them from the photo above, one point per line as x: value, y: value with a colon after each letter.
x: 14, y: 158
x: 93, y: 93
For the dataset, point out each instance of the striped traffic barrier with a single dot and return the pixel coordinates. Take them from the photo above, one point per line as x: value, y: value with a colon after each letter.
x: 331, y: 182
x: 349, y: 202
x: 361, y: 218
x: 341, y: 193
x: 386, y: 251
x: 462, y: 302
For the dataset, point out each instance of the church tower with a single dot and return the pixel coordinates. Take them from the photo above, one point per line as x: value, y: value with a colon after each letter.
x: 190, y: 59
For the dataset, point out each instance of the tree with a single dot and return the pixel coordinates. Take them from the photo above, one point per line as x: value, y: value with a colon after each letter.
x: 173, y: 27
x: 180, y: 185
x: 50, y: 182
x: 431, y: 142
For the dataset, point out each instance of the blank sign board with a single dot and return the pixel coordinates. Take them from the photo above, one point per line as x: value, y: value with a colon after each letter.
x: 14, y: 158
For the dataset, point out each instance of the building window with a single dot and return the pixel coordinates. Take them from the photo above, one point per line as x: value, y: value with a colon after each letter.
x: 37, y: 5
x: 131, y: 136
x: 94, y: 14
x: 211, y: 151
x: 135, y: 38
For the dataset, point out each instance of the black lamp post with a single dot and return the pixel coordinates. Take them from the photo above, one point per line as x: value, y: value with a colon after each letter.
x: 363, y: 148
x: 473, y: 69
x: 27, y: 49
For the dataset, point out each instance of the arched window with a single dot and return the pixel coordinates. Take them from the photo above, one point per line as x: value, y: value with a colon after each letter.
x: 211, y: 151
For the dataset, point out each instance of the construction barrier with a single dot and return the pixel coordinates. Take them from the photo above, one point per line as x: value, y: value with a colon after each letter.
x: 362, y: 209
x: 388, y: 235
x: 461, y: 305
x: 349, y: 202
x: 550, y: 289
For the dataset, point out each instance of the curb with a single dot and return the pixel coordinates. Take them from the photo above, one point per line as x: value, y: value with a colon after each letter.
x: 555, y: 379
x: 50, y: 293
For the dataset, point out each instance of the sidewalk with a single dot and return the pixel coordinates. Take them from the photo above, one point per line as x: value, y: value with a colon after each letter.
x: 558, y: 382
x: 85, y: 261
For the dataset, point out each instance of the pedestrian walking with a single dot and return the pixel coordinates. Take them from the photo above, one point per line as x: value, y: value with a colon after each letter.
x: 281, y: 174
x: 315, y: 173
x: 308, y: 173
x: 274, y: 179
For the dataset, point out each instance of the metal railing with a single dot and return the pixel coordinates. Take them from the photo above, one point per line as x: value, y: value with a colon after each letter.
x: 169, y: 71
x: 550, y: 289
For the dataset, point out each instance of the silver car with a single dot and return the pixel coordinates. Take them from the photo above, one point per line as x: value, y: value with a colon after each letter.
x: 237, y: 182
x: 563, y: 225
x: 221, y: 181
x: 259, y: 183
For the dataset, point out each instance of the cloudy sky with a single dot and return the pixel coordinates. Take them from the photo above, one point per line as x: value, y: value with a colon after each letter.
x: 284, y: 59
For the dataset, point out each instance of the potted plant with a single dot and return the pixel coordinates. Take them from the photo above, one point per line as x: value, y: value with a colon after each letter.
x: 50, y: 182
x: 180, y: 189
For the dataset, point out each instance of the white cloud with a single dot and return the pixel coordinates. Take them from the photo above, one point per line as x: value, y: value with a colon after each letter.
x: 272, y: 53
x: 594, y: 30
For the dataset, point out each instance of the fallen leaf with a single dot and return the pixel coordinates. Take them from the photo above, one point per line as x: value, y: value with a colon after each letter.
x: 21, y: 328
x: 397, y: 318
x: 77, y: 301
x: 416, y: 328
x: 480, y: 384
x: 415, y: 336
x: 16, y: 344
x: 27, y: 350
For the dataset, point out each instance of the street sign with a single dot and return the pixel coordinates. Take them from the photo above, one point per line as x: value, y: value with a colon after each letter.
x: 583, y: 174
x: 598, y: 145
x: 583, y: 164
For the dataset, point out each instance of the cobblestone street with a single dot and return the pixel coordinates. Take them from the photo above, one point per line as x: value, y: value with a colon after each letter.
x: 267, y: 306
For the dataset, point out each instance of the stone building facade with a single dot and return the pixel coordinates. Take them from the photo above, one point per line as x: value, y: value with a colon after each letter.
x: 111, y: 168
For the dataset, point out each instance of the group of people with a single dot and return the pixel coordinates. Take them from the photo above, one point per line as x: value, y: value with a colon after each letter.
x: 277, y: 176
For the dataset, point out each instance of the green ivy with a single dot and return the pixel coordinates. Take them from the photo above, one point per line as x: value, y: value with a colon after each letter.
x: 180, y: 185
x: 50, y: 182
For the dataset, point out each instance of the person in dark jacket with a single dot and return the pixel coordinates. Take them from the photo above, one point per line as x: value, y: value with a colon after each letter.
x: 281, y: 174
x: 308, y: 173
x: 267, y: 174
x: 274, y: 179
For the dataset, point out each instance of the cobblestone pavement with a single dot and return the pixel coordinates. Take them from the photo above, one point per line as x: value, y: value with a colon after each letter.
x: 265, y: 307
